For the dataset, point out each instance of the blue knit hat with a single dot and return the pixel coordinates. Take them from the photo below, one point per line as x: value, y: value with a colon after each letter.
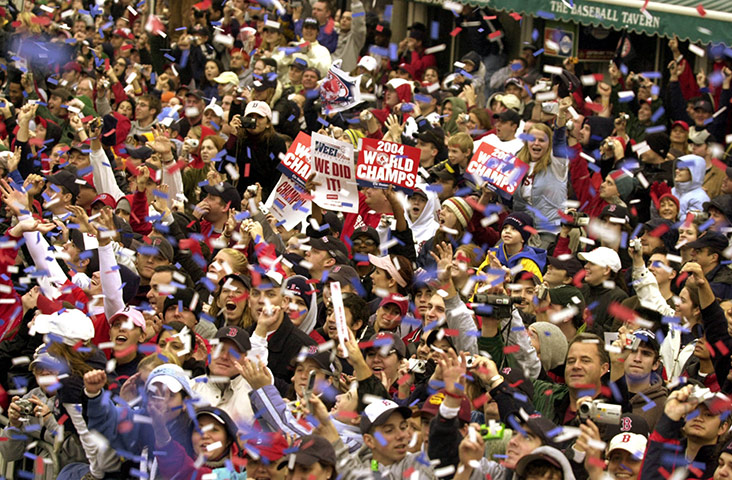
x: 519, y: 221
x: 172, y: 376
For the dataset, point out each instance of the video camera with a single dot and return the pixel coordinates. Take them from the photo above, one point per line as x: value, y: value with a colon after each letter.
x: 500, y: 306
x: 600, y: 412
x: 579, y: 219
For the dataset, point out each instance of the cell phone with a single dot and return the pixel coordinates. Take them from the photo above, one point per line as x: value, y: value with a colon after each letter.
x: 309, y: 390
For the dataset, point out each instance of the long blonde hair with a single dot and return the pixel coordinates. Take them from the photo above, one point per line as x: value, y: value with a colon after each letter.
x: 546, y: 159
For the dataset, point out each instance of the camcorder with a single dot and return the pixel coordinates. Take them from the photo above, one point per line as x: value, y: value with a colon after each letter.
x: 496, y: 306
x: 417, y: 366
x: 600, y: 412
x: 579, y: 219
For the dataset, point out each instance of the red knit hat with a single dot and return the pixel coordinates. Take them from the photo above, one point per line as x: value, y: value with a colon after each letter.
x: 672, y: 198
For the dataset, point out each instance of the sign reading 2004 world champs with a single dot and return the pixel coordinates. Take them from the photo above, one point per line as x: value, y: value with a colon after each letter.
x: 382, y: 163
x: 498, y: 168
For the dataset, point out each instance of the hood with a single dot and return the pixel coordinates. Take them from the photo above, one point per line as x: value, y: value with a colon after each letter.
x: 308, y: 323
x: 403, y: 89
x: 426, y: 224
x: 697, y: 166
x: 458, y: 108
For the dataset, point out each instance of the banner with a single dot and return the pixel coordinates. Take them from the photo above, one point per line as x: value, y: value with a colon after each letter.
x: 286, y: 204
x: 339, y: 91
x: 333, y: 162
x: 296, y: 164
x: 498, y: 168
x: 382, y: 163
x: 336, y: 298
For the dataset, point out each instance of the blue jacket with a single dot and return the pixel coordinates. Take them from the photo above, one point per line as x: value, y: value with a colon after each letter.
x: 691, y: 195
x: 328, y: 40
x: 526, y: 257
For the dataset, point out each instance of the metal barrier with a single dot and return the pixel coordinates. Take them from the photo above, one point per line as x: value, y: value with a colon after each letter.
x: 30, y: 463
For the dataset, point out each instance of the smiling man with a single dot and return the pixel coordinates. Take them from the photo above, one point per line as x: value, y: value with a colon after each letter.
x: 224, y: 387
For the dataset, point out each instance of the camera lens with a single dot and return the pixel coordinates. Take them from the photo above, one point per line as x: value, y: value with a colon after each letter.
x: 584, y: 409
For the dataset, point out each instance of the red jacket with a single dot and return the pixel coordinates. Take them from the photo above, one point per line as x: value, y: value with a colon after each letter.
x: 586, y: 185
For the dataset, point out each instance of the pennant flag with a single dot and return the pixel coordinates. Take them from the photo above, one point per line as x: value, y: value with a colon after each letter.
x: 339, y: 91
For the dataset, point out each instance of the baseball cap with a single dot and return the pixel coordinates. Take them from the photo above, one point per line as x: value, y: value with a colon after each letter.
x: 310, y: 22
x: 368, y: 62
x: 680, y: 123
x: 218, y: 111
x: 723, y: 203
x: 72, y: 66
x: 547, y: 454
x: 386, y: 263
x: 393, y: 298
x: 335, y: 247
x: 195, y: 93
x: 704, y: 105
x: 227, y: 77
x: 432, y: 406
x: 72, y: 325
x: 542, y: 427
x: 311, y: 449
x: 170, y: 375
x: 268, y: 445
x: 267, y: 81
x: 221, y: 417
x: 602, y: 256
x: 260, y: 108
x: 435, y: 136
x: 649, y: 338
x: 566, y: 262
x: 44, y: 360
x: 227, y: 192
x: 366, y: 231
x: 107, y: 199
x: 299, y: 61
x: 632, y: 443
x: 567, y: 296
x: 237, y: 336
x: 513, y: 81
x: 187, y: 298
x: 382, y: 339
x: 615, y: 211
x: 163, y: 245
x: 134, y: 315
x: 325, y: 360
x: 65, y: 178
x: 711, y: 239
x: 345, y: 275
x: 509, y: 115
x: 510, y: 101
x: 378, y: 412
x: 238, y: 277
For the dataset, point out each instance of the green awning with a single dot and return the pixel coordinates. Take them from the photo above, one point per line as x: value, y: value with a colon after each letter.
x: 668, y: 18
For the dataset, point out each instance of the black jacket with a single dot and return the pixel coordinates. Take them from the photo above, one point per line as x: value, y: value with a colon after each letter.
x: 284, y: 345
x: 601, y: 297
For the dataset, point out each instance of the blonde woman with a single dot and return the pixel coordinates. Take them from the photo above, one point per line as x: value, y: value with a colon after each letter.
x: 544, y: 187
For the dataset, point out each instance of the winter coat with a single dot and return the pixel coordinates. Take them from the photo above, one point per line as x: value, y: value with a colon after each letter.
x: 691, y: 195
x: 357, y: 466
x: 602, y: 297
x: 531, y: 259
x: 649, y: 403
x: 515, y: 334
x: 718, y: 337
x: 426, y: 225
x: 176, y: 464
x: 720, y: 278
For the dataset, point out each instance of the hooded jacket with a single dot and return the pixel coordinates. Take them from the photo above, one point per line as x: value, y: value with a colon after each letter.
x: 403, y: 90
x: 458, y: 108
x: 531, y: 259
x: 691, y: 195
x: 426, y: 225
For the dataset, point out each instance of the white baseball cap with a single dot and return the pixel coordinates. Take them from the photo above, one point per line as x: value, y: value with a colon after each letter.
x: 260, y: 108
x: 227, y: 77
x: 368, y: 62
x: 633, y: 443
x: 71, y: 325
x: 604, y: 257
x: 218, y: 111
x: 378, y: 412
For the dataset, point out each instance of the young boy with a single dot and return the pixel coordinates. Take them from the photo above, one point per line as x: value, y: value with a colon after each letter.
x: 513, y: 249
x: 459, y: 152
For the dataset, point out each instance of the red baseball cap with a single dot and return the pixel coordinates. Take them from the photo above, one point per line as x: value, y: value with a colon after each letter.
x: 107, y: 199
x: 681, y: 124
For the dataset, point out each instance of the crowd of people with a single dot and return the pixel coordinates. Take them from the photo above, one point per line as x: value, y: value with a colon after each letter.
x: 158, y: 320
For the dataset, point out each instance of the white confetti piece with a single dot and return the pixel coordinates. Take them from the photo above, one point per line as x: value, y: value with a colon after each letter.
x: 698, y: 51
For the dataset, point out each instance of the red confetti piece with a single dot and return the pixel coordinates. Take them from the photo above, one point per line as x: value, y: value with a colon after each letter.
x: 509, y: 349
x: 596, y: 461
x: 721, y: 348
x: 408, y: 472
x: 45, y: 21
x: 241, y: 298
x: 595, y: 107
x: 531, y: 230
x: 710, y: 349
x: 516, y: 385
x: 3, y: 439
x: 516, y: 16
x: 87, y: 118
x: 659, y: 231
x: 329, y: 26
x: 365, y: 345
x: 111, y: 132
x: 489, y: 17
x: 578, y: 277
x: 719, y: 164
x: 246, y: 169
x: 204, y: 5
x: 126, y: 351
x: 451, y: 332
x: 495, y: 34
x: 480, y: 400
x: 548, y: 392
x: 39, y: 460
x: 621, y: 313
x: 456, y: 31
x: 645, y: 5
x: 379, y: 28
x: 681, y: 278
x: 63, y: 419
x: 126, y: 47
x: 180, y: 164
x: 700, y: 9
x: 404, y: 378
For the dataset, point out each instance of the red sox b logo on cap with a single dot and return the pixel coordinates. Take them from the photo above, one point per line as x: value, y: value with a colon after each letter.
x: 232, y: 332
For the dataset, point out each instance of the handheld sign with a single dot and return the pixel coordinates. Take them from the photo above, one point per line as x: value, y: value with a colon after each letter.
x: 339, y: 313
x: 500, y: 169
x: 382, y: 163
x: 296, y: 164
x: 333, y: 162
x: 286, y: 204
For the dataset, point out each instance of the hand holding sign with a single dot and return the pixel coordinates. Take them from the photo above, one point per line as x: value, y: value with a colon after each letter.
x: 497, y: 168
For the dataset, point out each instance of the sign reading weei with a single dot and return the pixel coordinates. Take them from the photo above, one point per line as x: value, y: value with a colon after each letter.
x: 498, y: 168
x: 286, y: 204
x: 296, y: 163
x: 382, y: 163
x: 333, y: 162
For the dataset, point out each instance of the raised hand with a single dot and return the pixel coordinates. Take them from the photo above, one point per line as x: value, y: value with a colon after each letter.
x: 94, y: 381
x: 444, y: 261
x: 160, y: 202
x: 83, y: 220
x: 15, y: 200
x: 680, y: 403
x: 255, y: 373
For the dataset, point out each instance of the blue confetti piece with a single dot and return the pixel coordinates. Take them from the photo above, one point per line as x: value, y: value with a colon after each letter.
x: 545, y: 15
x: 393, y: 52
x: 534, y: 34
x: 657, y: 114
x: 538, y: 52
x: 387, y: 13
x: 434, y: 30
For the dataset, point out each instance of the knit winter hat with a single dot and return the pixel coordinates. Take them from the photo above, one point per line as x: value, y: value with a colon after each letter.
x: 671, y: 197
x: 624, y: 183
x: 552, y: 342
x: 460, y: 208
x: 519, y: 221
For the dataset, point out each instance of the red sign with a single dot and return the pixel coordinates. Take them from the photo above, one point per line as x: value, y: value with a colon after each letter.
x: 296, y: 164
x: 496, y: 167
x: 382, y: 163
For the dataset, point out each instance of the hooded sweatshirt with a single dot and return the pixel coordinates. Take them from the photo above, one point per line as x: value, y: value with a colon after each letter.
x: 403, y: 89
x: 426, y: 225
x: 691, y: 195
x: 458, y: 108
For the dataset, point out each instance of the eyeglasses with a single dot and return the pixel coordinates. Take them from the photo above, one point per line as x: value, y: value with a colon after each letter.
x: 368, y: 243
